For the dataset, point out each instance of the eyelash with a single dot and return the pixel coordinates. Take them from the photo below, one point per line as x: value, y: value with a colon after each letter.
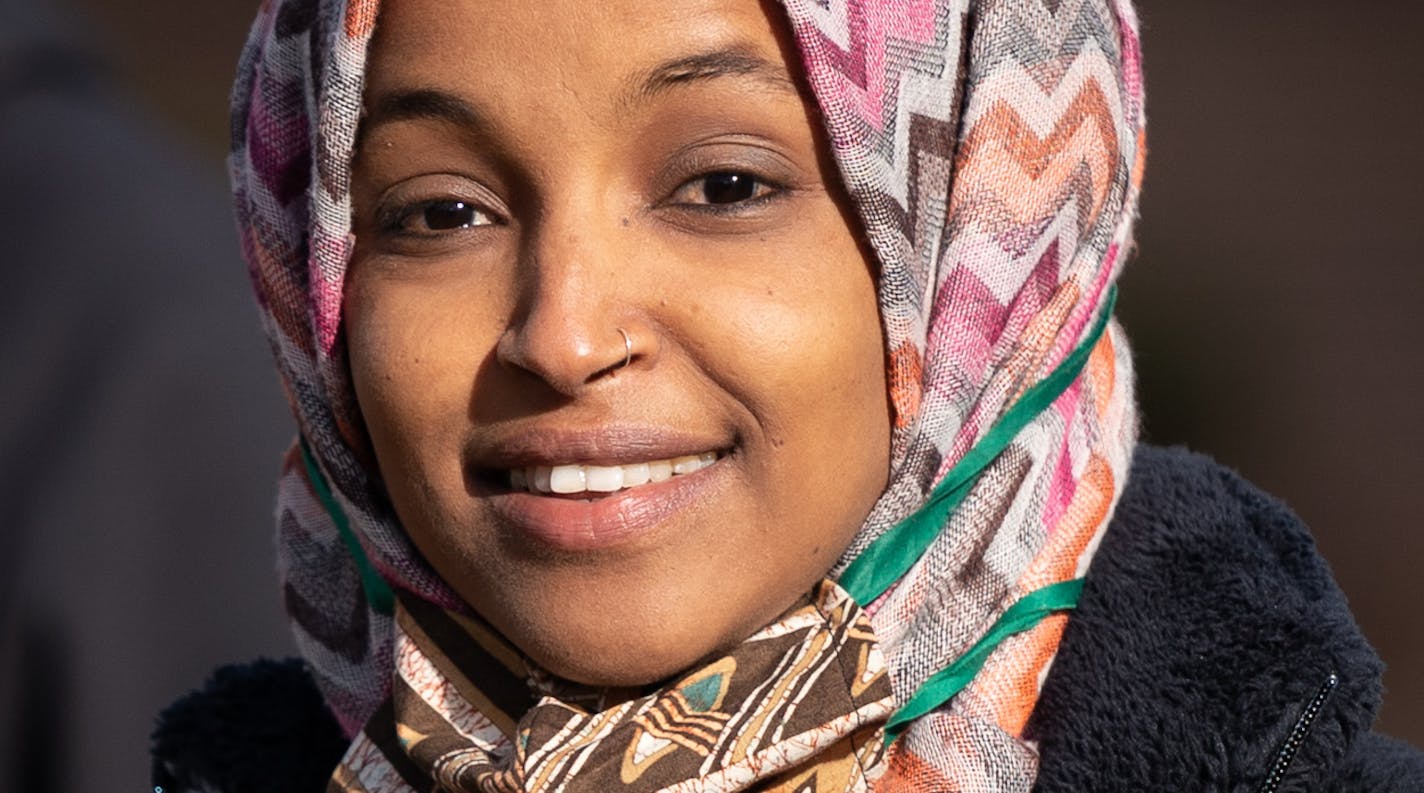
x: 764, y: 191
x: 394, y: 220
x: 397, y: 220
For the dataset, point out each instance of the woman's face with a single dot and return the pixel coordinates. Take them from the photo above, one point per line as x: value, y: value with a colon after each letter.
x: 536, y: 179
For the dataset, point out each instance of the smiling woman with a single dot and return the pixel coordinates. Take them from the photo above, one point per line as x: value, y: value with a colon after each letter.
x: 724, y: 395
x: 648, y: 267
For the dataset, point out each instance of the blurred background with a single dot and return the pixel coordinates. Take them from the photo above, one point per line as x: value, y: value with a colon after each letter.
x: 1274, y: 305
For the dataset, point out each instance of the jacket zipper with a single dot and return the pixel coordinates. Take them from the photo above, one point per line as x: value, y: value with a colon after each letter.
x: 1291, y: 747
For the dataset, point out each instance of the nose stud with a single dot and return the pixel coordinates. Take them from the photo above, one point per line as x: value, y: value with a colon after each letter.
x: 627, y: 348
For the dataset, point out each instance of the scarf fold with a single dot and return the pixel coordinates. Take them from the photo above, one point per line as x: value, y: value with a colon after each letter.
x: 993, y: 150
x: 798, y: 706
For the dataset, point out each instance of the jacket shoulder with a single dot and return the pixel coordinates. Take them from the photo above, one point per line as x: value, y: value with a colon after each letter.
x: 1211, y: 643
x: 1379, y: 764
x: 252, y: 727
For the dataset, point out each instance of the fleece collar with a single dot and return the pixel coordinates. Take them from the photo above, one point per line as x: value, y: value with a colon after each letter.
x: 1211, y: 649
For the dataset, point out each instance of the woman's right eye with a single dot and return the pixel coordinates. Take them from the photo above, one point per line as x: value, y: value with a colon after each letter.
x: 432, y: 217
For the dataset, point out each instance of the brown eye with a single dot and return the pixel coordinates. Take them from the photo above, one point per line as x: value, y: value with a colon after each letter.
x: 729, y: 187
x: 723, y: 189
x: 448, y: 216
x: 439, y: 216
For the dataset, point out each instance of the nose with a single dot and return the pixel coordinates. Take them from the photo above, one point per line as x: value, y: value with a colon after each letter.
x: 577, y: 321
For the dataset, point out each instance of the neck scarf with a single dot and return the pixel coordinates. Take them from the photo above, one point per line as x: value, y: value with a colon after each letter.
x: 993, y: 150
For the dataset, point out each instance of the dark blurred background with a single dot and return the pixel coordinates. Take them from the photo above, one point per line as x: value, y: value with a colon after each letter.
x: 1274, y: 302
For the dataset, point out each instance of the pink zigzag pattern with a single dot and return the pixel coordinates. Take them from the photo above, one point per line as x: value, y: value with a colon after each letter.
x: 992, y: 149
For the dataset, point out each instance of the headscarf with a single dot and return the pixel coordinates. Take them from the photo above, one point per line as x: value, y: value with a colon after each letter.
x: 993, y: 150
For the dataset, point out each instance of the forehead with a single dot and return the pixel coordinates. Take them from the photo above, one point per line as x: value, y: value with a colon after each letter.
x: 573, y: 48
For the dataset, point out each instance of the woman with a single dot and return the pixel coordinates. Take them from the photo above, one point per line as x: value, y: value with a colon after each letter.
x: 717, y: 394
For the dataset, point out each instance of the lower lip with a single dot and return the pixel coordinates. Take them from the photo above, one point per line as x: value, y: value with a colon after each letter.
x: 604, y: 521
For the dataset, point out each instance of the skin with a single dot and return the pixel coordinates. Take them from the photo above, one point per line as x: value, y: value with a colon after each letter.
x: 515, y: 204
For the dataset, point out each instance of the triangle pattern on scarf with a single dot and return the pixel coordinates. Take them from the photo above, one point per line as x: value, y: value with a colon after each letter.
x: 797, y: 704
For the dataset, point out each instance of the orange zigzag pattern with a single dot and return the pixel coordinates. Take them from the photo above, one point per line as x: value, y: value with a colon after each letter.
x: 1010, y: 177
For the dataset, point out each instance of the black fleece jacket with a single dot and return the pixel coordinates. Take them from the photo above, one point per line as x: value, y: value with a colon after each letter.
x: 1211, y: 651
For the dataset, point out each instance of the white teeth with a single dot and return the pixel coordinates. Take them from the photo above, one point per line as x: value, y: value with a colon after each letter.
x: 686, y: 465
x: 566, y: 479
x: 636, y: 474
x: 603, y: 479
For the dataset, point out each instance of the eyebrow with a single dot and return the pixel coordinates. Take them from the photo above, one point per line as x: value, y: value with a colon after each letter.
x: 422, y: 103
x: 729, y: 62
x: 439, y: 105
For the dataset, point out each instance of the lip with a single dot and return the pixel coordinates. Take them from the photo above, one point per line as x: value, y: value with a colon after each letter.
x: 592, y: 522
x: 611, y: 444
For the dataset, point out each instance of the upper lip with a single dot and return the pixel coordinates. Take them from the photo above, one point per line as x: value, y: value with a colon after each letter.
x: 606, y: 444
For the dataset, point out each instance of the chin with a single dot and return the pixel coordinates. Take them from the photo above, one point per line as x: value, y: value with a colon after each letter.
x: 625, y: 658
x: 629, y: 633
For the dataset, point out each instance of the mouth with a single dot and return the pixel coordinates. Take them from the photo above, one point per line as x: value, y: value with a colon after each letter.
x: 577, y: 479
x: 617, y: 487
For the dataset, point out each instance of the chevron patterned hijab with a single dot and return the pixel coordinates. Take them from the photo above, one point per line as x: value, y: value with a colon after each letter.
x: 993, y: 151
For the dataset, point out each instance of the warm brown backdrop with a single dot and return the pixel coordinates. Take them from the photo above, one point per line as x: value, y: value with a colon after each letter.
x: 1275, y: 300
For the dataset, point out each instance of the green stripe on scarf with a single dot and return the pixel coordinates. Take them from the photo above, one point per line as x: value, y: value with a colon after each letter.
x: 378, y: 592
x: 892, y: 555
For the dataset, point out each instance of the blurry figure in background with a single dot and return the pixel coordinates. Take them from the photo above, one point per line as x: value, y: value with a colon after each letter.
x: 138, y: 423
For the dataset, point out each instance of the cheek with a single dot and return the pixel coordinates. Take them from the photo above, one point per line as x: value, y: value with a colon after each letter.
x: 816, y: 377
x: 815, y: 346
x: 804, y: 354
x: 834, y: 380
x: 412, y: 365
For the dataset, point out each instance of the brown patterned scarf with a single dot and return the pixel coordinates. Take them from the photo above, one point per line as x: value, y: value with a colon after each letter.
x: 799, y: 706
